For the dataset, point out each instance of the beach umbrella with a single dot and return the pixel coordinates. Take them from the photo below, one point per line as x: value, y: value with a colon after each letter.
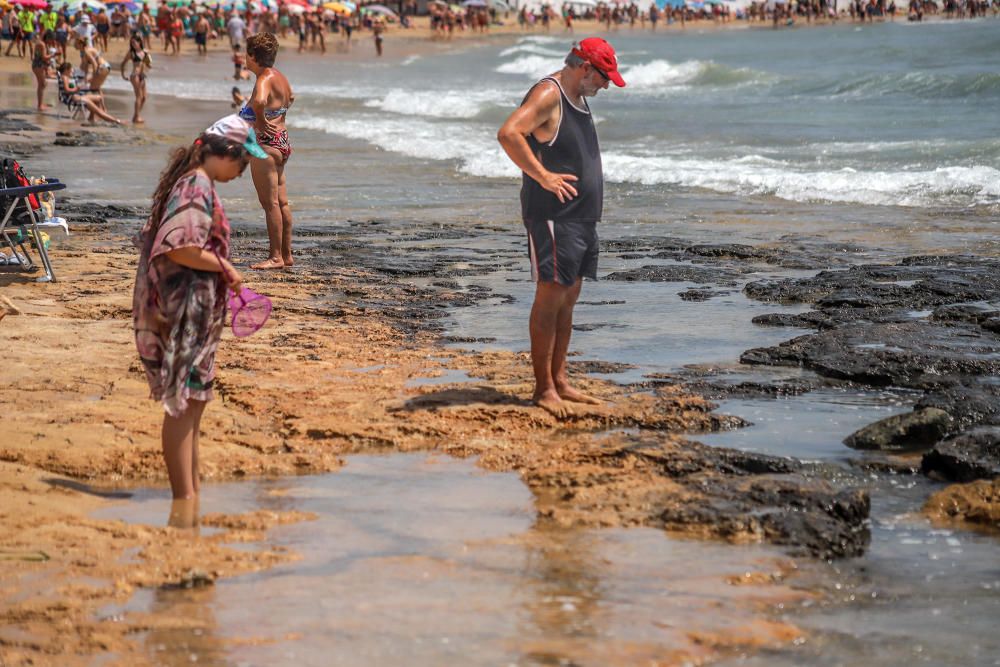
x: 378, y: 9
x: 474, y: 3
x: 582, y: 3
x: 31, y: 4
x: 77, y: 5
x: 338, y: 8
x: 295, y: 9
x: 501, y: 5
x: 129, y: 6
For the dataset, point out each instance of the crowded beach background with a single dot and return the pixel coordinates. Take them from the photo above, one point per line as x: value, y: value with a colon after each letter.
x: 95, y: 38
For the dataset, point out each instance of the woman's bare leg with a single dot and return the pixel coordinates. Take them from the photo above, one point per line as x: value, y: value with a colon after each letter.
x: 265, y: 180
x: 91, y: 104
x: 40, y: 86
x: 286, y: 218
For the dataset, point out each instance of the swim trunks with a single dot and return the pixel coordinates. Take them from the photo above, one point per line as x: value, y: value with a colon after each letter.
x: 562, y: 251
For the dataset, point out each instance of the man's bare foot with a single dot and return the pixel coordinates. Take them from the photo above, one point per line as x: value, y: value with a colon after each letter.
x: 137, y: 121
x: 569, y: 394
x: 44, y: 107
x: 288, y: 261
x: 551, y: 403
x: 270, y: 263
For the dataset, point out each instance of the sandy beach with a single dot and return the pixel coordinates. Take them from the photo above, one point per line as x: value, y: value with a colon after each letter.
x: 327, y: 379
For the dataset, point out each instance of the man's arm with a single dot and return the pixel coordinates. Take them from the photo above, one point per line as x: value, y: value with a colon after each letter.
x: 540, y: 107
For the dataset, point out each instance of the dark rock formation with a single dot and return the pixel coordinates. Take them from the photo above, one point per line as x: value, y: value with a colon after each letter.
x: 966, y: 457
x: 912, y: 431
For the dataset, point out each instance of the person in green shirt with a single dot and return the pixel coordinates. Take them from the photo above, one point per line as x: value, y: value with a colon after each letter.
x: 49, y: 20
x: 27, y: 18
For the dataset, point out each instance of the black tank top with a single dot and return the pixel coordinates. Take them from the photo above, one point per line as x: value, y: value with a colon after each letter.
x: 574, y: 150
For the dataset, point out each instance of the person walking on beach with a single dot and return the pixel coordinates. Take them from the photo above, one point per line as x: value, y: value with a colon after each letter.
x: 141, y: 62
x: 179, y: 301
x: 41, y: 61
x: 266, y: 109
x: 201, y: 28
x: 551, y: 137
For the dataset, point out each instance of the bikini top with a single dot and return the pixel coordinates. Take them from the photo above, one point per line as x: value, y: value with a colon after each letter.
x: 247, y: 113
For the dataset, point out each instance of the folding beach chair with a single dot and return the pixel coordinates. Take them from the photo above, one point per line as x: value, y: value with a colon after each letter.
x: 13, y: 231
x: 75, y: 109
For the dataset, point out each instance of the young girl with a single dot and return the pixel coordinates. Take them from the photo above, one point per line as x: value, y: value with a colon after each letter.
x: 179, y: 302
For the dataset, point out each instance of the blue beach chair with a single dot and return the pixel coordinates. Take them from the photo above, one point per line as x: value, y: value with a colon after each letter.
x: 13, y: 230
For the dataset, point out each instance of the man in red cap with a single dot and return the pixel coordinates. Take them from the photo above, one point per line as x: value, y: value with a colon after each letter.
x: 552, y: 138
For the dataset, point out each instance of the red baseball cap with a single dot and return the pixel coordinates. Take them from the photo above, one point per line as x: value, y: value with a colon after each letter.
x: 601, y: 55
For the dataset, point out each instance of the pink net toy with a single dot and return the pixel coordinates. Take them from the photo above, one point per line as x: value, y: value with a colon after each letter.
x: 249, y: 309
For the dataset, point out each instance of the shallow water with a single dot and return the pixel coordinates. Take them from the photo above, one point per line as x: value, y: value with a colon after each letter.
x: 426, y: 560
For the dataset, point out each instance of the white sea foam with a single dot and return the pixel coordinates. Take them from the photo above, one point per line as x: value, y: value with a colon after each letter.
x: 477, y: 153
x: 533, y: 66
x: 944, y: 185
x: 659, y: 73
x: 442, y: 104
x: 534, y: 49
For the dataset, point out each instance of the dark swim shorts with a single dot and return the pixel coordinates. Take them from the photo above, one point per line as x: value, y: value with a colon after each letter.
x: 562, y: 251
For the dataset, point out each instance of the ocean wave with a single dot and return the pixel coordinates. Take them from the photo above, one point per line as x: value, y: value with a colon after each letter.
x: 442, y: 104
x: 644, y: 78
x: 921, y: 84
x: 943, y: 186
x: 533, y: 66
x: 532, y: 48
x: 476, y: 152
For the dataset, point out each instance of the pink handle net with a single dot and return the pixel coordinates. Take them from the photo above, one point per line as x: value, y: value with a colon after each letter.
x: 250, y: 311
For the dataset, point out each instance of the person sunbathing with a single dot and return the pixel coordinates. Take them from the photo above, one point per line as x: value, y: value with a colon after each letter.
x: 70, y: 94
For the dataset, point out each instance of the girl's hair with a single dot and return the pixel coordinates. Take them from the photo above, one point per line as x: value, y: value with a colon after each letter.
x: 66, y: 66
x: 187, y: 158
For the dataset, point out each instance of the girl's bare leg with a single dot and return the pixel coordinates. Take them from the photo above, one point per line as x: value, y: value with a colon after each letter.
x: 177, y: 439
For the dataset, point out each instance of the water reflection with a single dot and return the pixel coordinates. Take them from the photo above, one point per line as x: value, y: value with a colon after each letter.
x: 564, y: 579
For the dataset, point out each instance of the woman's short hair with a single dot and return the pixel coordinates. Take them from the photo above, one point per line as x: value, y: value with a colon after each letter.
x: 263, y: 48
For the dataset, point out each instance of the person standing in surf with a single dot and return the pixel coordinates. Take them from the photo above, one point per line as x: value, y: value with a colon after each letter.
x: 265, y: 110
x: 551, y: 137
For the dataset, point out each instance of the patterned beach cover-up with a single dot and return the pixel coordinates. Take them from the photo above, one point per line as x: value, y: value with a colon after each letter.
x: 178, y: 313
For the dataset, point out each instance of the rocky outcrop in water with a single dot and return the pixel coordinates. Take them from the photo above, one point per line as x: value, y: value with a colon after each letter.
x: 913, y: 431
x: 966, y: 457
x: 927, y: 323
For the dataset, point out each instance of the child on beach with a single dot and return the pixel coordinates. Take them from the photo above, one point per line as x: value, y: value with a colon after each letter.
x: 238, y: 99
x: 179, y: 302
x: 240, y: 71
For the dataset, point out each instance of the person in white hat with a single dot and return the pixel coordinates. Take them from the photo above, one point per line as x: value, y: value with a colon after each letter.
x: 85, y: 29
x: 179, y: 303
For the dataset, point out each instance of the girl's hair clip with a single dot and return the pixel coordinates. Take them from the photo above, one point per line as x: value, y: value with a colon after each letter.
x: 197, y: 142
